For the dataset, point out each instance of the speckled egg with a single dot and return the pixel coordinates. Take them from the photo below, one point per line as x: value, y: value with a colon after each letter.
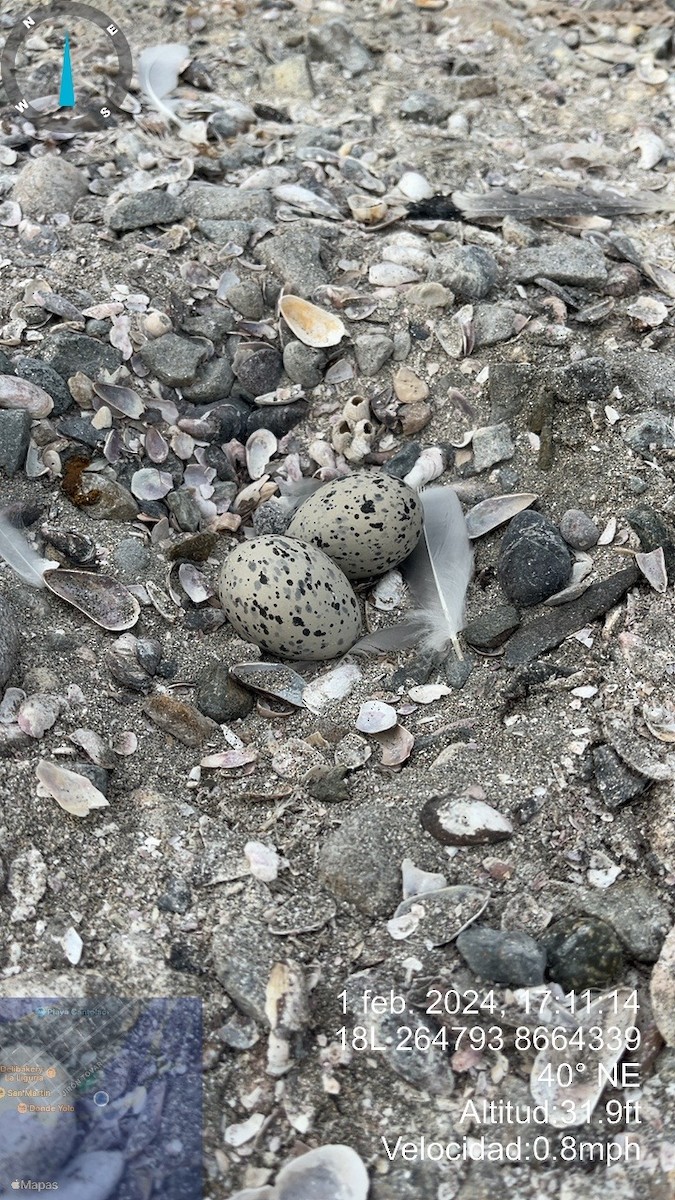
x: 367, y: 523
x: 289, y: 598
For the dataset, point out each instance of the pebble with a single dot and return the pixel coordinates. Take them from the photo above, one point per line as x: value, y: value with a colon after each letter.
x: 173, y: 359
x: 509, y: 383
x: 615, y: 781
x: 646, y: 376
x: 583, y: 952
x: 579, y: 530
x: 132, y: 559
x: 503, y: 956
x: 247, y: 298
x: 49, y: 185
x: 633, y: 908
x: 48, y: 379
x: 271, y: 517
x: 457, y: 671
x: 210, y: 203
x: 649, y: 431
x: 14, y: 439
x: 303, y: 364
x: 80, y: 429
x: 225, y: 232
x: 567, y: 260
x: 180, y: 720
x: 294, y: 256
x: 69, y: 352
x: 372, y: 351
x: 491, y: 444
x: 470, y: 272
x: 653, y: 532
x: 360, y: 861
x: 213, y: 382
x: 335, y: 42
x: 278, y: 418
x: 220, y: 697
x: 243, y: 955
x: 493, y: 323
x: 493, y: 628
x: 176, y: 897
x: 534, y: 561
x: 114, y: 502
x: 185, y: 510
x: 458, y: 822
x: 148, y: 208
x: 231, y: 118
x: 291, y: 78
x: 327, y: 784
x: 425, y: 107
x: 10, y: 640
x: 259, y: 370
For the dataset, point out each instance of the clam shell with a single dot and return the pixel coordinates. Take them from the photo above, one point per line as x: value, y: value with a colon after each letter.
x: 312, y: 326
x: 330, y: 1172
x: 367, y: 209
x: 99, y: 597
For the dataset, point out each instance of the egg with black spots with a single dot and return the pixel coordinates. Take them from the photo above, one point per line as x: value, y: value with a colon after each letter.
x: 289, y: 598
x: 367, y: 522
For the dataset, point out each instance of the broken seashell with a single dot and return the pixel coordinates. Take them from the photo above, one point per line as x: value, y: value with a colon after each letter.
x: 375, y: 716
x: 260, y: 448
x: 444, y: 913
x: 356, y: 409
x: 151, y: 484
x: 653, y: 567
x: 352, y: 752
x: 430, y: 464
x: 20, y: 393
x: 660, y: 721
x: 76, y: 794
x: 389, y: 591
x: 367, y: 209
x: 123, y: 400
x: 396, y: 745
x: 104, y: 600
x: 331, y: 1172
x: 416, y: 882
x: 271, y: 679
x: 328, y: 688
x: 313, y: 326
x: 389, y: 274
x: 491, y: 513
x: 415, y: 186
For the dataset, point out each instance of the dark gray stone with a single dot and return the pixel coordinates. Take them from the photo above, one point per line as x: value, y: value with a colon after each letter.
x: 222, y: 232
x: 653, y: 533
x: 185, y: 509
x: 172, y: 359
x: 493, y: 323
x: 583, y: 952
x: 335, y: 42
x: 503, y: 956
x: 272, y: 517
x: 578, y: 530
x: 69, y: 352
x: 493, y: 628
x: 278, y: 418
x: 176, y: 896
x: 221, y: 697
x: 425, y: 107
x: 491, y: 444
x: 615, y: 781
x: 360, y: 862
x: 213, y: 382
x: 247, y: 298
x: 95, y: 774
x: 243, y: 956
x: 210, y: 202
x: 650, y: 431
x: 404, y: 460
x: 567, y: 260
x: 48, y: 379
x: 132, y: 559
x: 147, y: 208
x: 303, y: 364
x: 549, y: 630
x: 234, y: 117
x: 258, y: 370
x: 372, y: 351
x: 14, y: 438
x: 328, y: 784
x: 534, y: 562
x: 633, y: 908
x: 470, y: 272
x: 511, y: 385
x: 646, y: 375
x: 457, y: 671
x: 293, y: 255
x: 590, y: 379
x: 80, y: 428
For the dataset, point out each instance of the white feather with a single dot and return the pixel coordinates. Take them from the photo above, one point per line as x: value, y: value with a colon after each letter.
x: 158, y: 70
x: 20, y: 555
x: 438, y: 573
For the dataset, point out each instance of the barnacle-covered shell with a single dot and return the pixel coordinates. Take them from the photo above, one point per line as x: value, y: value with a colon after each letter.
x: 311, y: 325
x: 289, y: 598
x: 367, y: 522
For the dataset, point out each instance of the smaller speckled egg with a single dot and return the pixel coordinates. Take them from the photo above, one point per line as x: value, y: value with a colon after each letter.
x: 289, y: 598
x: 367, y: 522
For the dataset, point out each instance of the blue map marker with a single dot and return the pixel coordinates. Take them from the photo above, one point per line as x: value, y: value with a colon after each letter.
x: 67, y: 92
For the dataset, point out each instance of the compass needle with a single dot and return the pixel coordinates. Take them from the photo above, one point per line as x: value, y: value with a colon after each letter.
x: 67, y: 92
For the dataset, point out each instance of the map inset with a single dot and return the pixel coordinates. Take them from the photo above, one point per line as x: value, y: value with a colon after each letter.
x: 101, y: 1099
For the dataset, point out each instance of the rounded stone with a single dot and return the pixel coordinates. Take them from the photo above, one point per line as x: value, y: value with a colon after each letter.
x: 303, y: 364
x: 503, y: 956
x: 49, y: 185
x: 220, y: 697
x: 578, y: 530
x: 583, y: 952
x: 470, y: 272
x: 534, y: 561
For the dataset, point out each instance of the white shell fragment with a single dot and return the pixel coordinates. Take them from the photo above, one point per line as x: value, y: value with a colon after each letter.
x: 653, y: 567
x: 263, y: 861
x: 151, y: 484
x: 72, y: 946
x: 415, y: 186
x: 416, y: 881
x: 260, y: 448
x: 375, y: 716
x: 20, y: 393
x: 332, y: 686
x: 556, y: 1080
x: 312, y: 326
x: 367, y: 209
x: 491, y: 513
x: 73, y: 792
x: 440, y: 915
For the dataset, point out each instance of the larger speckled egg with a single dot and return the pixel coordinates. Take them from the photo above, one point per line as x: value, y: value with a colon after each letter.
x: 289, y: 598
x: 367, y: 523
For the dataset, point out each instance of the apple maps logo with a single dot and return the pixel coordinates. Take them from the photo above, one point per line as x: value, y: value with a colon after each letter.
x: 31, y: 1185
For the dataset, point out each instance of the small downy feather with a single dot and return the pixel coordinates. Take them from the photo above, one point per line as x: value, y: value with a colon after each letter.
x: 438, y: 573
x: 20, y: 555
x: 158, y: 71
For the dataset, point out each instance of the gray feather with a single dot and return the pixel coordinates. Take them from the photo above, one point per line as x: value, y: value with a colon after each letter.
x: 20, y: 555
x: 158, y: 70
x: 438, y: 573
